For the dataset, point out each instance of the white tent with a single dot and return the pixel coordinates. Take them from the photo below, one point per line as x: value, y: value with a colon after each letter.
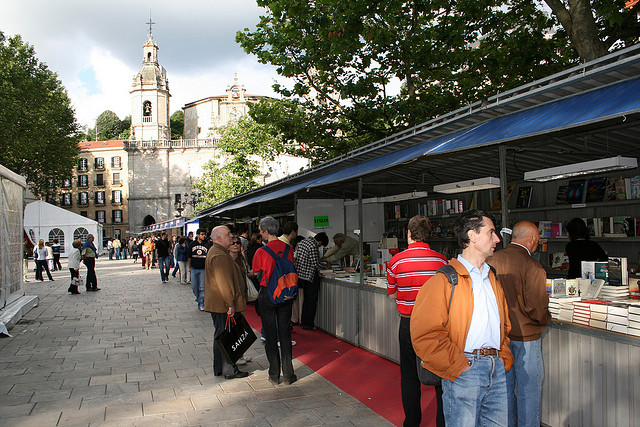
x: 45, y: 221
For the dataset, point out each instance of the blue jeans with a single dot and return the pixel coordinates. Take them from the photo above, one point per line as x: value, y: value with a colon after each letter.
x: 164, y: 262
x: 197, y: 285
x: 118, y: 253
x: 524, y: 383
x: 478, y: 397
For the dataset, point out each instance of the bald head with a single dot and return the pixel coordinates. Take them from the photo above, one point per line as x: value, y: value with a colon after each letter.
x: 525, y: 233
x: 222, y: 236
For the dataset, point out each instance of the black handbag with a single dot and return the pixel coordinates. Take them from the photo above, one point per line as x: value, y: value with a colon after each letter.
x: 236, y: 338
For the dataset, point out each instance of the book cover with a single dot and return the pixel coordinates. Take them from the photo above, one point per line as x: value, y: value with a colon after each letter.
x: 544, y: 229
x: 593, y: 289
x: 559, y: 287
x: 596, y: 189
x: 610, y: 193
x: 576, y: 191
x: 621, y: 189
x: 556, y: 259
x: 556, y: 230
x: 634, y: 183
x: 618, y: 274
x: 524, y: 197
x: 497, y: 202
x: 595, y: 270
x: 561, y: 197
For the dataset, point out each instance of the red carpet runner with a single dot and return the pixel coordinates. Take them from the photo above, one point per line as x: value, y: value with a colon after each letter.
x: 372, y: 380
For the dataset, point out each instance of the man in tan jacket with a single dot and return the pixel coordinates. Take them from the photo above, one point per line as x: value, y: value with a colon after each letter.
x: 223, y: 294
x: 466, y: 342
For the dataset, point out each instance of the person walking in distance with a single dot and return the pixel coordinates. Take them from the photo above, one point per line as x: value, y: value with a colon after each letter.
x: 56, y: 248
x: 524, y: 282
x: 74, y: 267
x: 408, y: 271
x: 197, y: 254
x: 89, y: 255
x: 40, y: 256
x: 163, y: 254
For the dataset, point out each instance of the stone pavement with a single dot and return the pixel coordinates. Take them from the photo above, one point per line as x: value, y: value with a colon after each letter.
x: 139, y: 352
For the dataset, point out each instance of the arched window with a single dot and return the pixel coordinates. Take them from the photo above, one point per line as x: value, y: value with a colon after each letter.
x: 57, y: 234
x: 148, y: 220
x: 146, y: 108
x: 80, y: 233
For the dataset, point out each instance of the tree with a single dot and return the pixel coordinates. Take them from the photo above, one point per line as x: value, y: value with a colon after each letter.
x: 109, y: 126
x: 177, y: 124
x: 37, y: 123
x: 242, y: 143
x: 595, y: 26
x: 346, y: 57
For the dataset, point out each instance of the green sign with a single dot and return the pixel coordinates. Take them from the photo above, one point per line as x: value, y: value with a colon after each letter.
x: 321, y: 221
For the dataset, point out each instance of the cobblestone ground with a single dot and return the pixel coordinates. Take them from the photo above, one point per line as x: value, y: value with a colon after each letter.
x: 139, y: 352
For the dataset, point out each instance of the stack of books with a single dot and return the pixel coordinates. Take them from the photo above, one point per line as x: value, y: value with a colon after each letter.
x: 614, y: 292
x: 598, y: 316
x: 561, y: 307
x: 634, y: 320
x: 582, y: 312
x: 617, y: 318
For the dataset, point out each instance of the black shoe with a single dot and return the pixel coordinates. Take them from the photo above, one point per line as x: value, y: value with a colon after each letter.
x: 309, y: 328
x: 238, y: 374
x: 289, y: 381
x: 218, y: 374
x: 96, y: 289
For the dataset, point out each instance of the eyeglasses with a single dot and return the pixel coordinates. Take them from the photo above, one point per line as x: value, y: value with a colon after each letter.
x: 235, y: 243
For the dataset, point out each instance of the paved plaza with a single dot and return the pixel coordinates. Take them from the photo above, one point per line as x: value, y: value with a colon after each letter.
x: 139, y: 352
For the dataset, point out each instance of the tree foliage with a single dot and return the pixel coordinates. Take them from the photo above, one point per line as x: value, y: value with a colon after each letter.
x: 347, y: 58
x: 177, y: 124
x: 109, y: 126
x: 595, y: 26
x: 37, y: 123
x: 242, y: 144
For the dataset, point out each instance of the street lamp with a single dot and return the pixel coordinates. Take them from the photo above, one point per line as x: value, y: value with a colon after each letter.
x: 191, y: 199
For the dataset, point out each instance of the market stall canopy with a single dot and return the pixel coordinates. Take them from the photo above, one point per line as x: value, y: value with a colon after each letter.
x: 165, y: 225
x: 585, y: 113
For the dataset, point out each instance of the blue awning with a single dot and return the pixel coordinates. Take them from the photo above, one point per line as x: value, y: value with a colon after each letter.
x: 165, y: 225
x: 578, y: 110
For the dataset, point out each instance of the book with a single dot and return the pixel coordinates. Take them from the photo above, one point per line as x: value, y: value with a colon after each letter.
x: 524, y: 197
x: 572, y: 287
x: 544, y: 229
x: 621, y: 189
x: 595, y: 270
x: 618, y: 273
x: 634, y: 184
x: 497, y: 201
x: 556, y: 259
x: 559, y: 287
x: 561, y: 197
x: 593, y: 289
x: 610, y: 193
x: 556, y: 229
x: 596, y: 189
x: 576, y: 191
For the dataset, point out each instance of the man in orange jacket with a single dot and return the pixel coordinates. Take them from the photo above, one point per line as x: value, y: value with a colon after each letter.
x: 466, y: 342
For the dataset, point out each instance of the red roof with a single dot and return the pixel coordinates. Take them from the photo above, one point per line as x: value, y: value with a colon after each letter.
x: 93, y: 145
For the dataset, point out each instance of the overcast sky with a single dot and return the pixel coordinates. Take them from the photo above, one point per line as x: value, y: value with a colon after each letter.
x: 95, y: 46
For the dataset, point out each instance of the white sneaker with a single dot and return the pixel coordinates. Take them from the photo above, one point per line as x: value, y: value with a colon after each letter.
x: 264, y: 339
x: 292, y: 343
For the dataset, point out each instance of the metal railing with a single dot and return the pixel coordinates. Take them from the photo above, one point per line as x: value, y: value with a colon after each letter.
x: 173, y: 144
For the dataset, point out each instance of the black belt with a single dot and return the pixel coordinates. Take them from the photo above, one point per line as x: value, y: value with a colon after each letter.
x: 484, y: 352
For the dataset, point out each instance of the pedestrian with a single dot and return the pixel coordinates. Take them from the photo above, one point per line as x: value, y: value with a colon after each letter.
x: 117, y: 247
x: 408, y: 271
x: 135, y: 250
x: 307, y: 265
x: 174, y: 251
x: 74, y: 266
x: 223, y: 295
x: 50, y: 256
x: 466, y: 342
x: 197, y: 254
x: 26, y: 253
x: 89, y: 256
x: 275, y: 317
x: 182, y: 257
x: 40, y: 256
x: 56, y: 255
x: 163, y: 248
x: 524, y: 282
x: 110, y: 249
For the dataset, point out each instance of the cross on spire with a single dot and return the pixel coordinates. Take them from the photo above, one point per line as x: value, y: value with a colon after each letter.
x: 150, y: 24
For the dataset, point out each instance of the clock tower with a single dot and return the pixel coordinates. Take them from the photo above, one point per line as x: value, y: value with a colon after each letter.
x: 150, y: 97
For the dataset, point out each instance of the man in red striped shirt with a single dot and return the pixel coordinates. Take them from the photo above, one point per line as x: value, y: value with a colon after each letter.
x: 406, y: 274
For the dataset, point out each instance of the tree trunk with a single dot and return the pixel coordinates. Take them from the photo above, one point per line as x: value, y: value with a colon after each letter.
x: 580, y: 25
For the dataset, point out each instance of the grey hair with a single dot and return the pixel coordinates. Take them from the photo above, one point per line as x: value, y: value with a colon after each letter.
x: 270, y: 225
x: 340, y: 237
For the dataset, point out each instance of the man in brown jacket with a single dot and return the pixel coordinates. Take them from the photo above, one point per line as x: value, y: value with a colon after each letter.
x: 466, y: 342
x: 223, y: 294
x: 524, y: 282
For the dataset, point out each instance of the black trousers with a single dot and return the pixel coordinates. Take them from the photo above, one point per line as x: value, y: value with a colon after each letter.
x: 409, y: 382
x: 271, y: 314
x: 310, y: 302
x: 220, y: 363
x: 56, y: 262
x: 92, y: 280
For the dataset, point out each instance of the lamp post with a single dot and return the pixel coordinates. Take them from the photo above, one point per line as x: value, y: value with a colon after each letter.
x: 191, y: 199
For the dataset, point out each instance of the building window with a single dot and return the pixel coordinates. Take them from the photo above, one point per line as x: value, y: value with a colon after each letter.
x: 65, y: 200
x: 100, y: 216
x: 178, y: 199
x: 116, y: 216
x: 83, y: 198
x: 100, y: 163
x: 99, y: 180
x: 99, y: 198
x: 66, y: 183
x: 80, y: 233
x: 115, y: 162
x: 84, y: 214
x: 57, y: 234
x: 51, y: 198
x: 83, y: 164
x: 83, y: 181
x: 117, y: 233
x: 146, y: 108
x: 116, y: 178
x: 116, y: 196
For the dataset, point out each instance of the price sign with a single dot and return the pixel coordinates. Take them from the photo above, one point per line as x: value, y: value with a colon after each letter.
x: 321, y: 221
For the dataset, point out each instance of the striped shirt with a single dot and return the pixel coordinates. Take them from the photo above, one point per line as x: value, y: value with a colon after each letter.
x: 409, y: 270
